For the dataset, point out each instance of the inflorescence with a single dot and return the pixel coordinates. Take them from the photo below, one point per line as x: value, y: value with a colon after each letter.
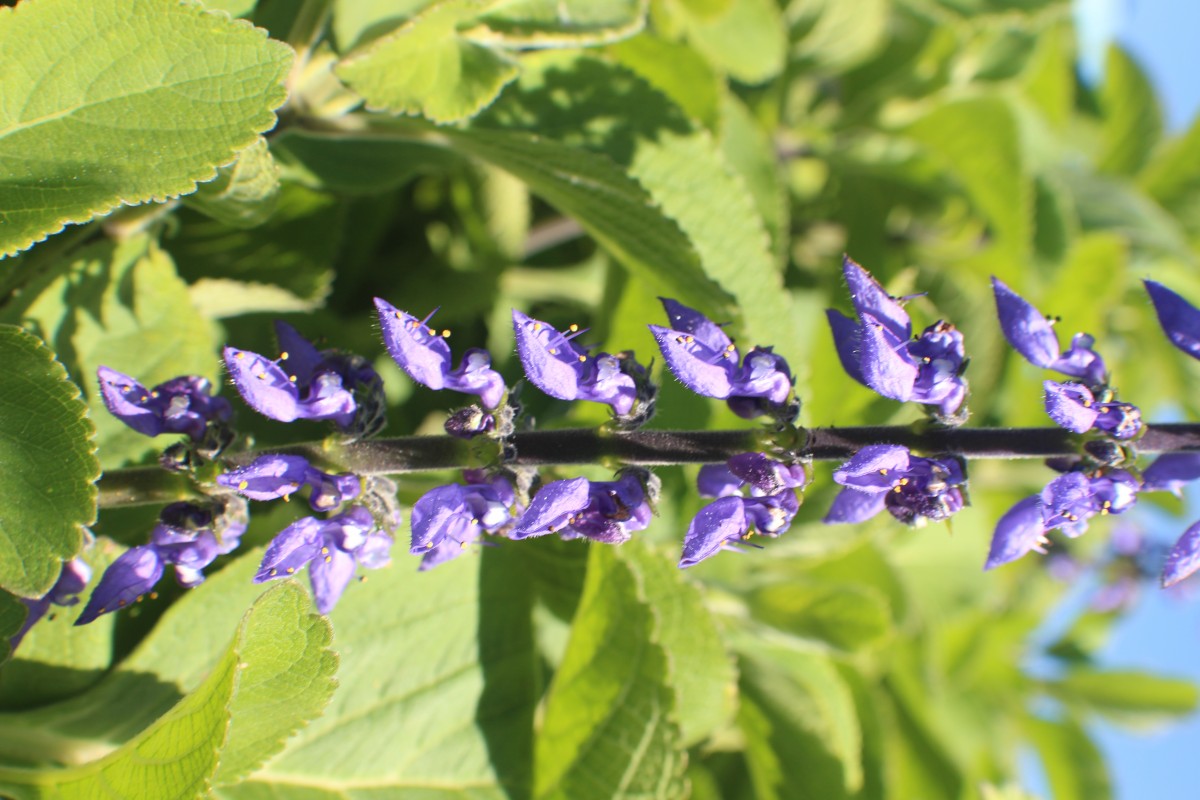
x: 356, y: 517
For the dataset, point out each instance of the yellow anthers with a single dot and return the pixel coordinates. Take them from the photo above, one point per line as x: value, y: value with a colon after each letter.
x: 462, y: 545
x: 262, y: 376
x: 128, y: 389
x: 154, y: 395
x: 429, y: 545
x: 572, y: 327
x: 121, y: 604
x: 324, y: 551
x: 883, y: 471
x: 283, y: 356
x: 274, y: 572
x: 537, y: 327
x: 362, y: 578
x: 242, y: 485
x: 902, y: 482
x: 445, y: 333
x: 582, y: 359
x: 432, y: 332
x: 287, y: 498
x: 1087, y: 403
x: 154, y: 595
x: 328, y: 559
x: 144, y: 399
x: 553, y: 351
x: 139, y: 598
x: 292, y: 378
x: 290, y: 570
x: 240, y: 355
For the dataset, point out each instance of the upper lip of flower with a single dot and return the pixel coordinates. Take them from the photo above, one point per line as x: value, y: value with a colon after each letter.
x: 879, y: 351
x: 705, y: 359
x: 424, y: 355
x: 554, y: 363
x: 1031, y: 334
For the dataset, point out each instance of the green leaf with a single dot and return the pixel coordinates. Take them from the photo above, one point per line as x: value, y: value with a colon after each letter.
x: 437, y: 689
x: 802, y: 734
x: 608, y: 729
x: 48, y: 453
x: 574, y: 98
x: 747, y: 38
x: 245, y: 192
x: 165, y: 78
x: 563, y: 23
x: 1132, y: 117
x: 1113, y: 206
x: 1172, y: 177
x: 278, y: 662
x: 12, y: 617
x: 701, y: 670
x: 293, y: 250
x: 677, y: 71
x: 846, y: 615
x: 613, y: 208
x: 356, y: 165
x: 1073, y: 764
x: 831, y: 36
x: 120, y: 305
x: 356, y: 22
x: 1126, y: 695
x: 749, y: 151
x: 977, y: 141
x: 234, y: 8
x: 426, y: 67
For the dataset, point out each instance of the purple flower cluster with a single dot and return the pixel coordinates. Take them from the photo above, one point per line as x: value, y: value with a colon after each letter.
x: 188, y: 537
x: 912, y: 488
x: 181, y: 405
x: 448, y: 519
x: 878, y: 349
x: 735, y: 517
x: 1085, y: 404
x: 705, y: 360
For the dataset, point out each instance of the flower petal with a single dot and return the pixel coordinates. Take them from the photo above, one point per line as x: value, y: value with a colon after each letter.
x: 719, y: 522
x: 267, y: 477
x: 330, y: 574
x: 1180, y: 320
x: 1024, y: 327
x: 1184, y: 558
x: 294, y: 546
x: 689, y: 320
x: 129, y: 577
x: 1017, y: 532
x: 871, y: 301
x: 1070, y: 405
x: 476, y: 376
x: 263, y: 385
x: 551, y: 507
x: 847, y: 339
x: 705, y: 371
x: 419, y: 352
x: 716, y: 480
x: 886, y: 367
x: 1170, y: 472
x: 854, y: 505
x: 124, y: 396
x: 551, y: 361
x: 871, y: 468
x: 302, y: 357
x: 438, y: 515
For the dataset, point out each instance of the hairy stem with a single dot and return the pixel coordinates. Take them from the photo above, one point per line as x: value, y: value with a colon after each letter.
x: 144, y: 485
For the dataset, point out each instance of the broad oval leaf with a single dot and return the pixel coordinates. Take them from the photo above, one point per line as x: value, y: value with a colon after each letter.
x: 122, y: 101
x: 47, y: 454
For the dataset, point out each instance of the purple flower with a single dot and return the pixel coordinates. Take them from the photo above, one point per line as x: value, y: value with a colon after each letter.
x: 187, y: 536
x: 316, y: 384
x: 733, y: 518
x: 879, y: 350
x: 705, y: 360
x: 271, y: 476
x: 180, y: 405
x: 447, y: 519
x: 1170, y: 472
x: 912, y: 488
x: 1067, y: 503
x: 1179, y: 319
x: 71, y: 581
x: 604, y: 511
x: 1032, y: 335
x: 1184, y: 558
x: 332, y: 548
x: 1074, y: 407
x: 425, y: 356
x: 563, y: 369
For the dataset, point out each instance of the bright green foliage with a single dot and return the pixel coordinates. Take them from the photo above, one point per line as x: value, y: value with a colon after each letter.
x: 277, y: 661
x: 609, y: 728
x: 1132, y: 119
x: 426, y: 67
x: 12, y: 617
x: 1074, y: 766
x: 245, y: 192
x: 71, y: 149
x: 745, y: 38
x: 47, y: 452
